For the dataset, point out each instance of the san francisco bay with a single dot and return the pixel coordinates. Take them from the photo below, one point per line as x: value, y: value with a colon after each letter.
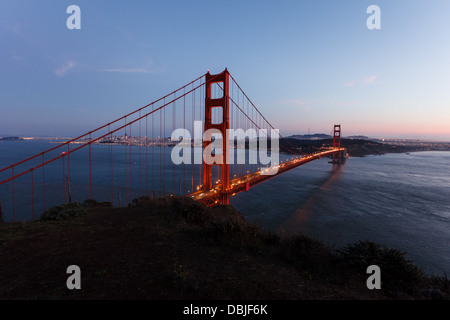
x: 399, y: 200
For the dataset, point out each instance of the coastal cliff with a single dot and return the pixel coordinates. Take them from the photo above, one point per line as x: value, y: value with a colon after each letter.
x: 362, y: 148
x: 175, y: 248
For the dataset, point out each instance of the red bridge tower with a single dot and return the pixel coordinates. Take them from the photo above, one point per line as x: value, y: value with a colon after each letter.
x: 337, y: 157
x: 222, y: 80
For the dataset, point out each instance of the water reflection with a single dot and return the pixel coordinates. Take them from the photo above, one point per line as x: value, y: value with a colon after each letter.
x: 295, y: 223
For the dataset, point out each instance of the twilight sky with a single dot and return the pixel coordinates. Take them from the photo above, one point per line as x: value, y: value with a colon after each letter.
x: 305, y: 64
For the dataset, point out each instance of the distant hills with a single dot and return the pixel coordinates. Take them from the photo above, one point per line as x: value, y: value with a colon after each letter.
x: 360, y: 138
x: 359, y: 146
x: 316, y: 136
x: 11, y: 139
x: 322, y: 136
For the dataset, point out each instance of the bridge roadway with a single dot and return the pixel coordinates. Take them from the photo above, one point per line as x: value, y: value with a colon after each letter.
x: 244, y: 183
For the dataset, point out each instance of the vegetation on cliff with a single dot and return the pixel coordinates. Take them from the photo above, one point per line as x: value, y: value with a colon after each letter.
x: 175, y: 248
x: 360, y: 147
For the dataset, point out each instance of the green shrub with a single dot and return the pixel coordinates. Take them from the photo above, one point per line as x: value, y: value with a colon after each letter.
x: 306, y: 254
x: 239, y: 235
x: 64, y: 212
x: 140, y: 201
x: 191, y: 210
x: 91, y: 203
x: 398, y: 274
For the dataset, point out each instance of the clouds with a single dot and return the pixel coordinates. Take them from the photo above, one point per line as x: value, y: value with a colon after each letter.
x: 318, y: 104
x: 146, y: 67
x: 305, y: 105
x: 370, y: 79
x: 128, y: 70
x: 296, y: 102
x: 17, y: 59
x: 365, y: 80
x: 69, y: 65
x: 64, y: 69
x: 14, y: 28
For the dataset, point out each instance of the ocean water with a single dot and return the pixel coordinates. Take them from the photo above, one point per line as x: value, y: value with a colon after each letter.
x: 399, y: 200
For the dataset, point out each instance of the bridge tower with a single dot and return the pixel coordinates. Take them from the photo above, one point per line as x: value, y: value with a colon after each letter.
x: 222, y: 80
x: 337, y: 157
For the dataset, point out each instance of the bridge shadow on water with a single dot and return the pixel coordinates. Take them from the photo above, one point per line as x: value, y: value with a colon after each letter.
x: 295, y: 223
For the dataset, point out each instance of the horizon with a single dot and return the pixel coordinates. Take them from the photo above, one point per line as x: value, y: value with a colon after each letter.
x: 305, y: 65
x: 406, y: 138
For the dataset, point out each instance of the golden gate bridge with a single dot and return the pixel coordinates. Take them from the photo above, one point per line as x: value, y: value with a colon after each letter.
x: 133, y: 161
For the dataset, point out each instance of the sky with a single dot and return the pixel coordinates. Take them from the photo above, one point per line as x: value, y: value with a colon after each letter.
x: 306, y: 65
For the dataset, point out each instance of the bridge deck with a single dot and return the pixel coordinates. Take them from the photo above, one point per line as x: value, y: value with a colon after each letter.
x: 214, y: 195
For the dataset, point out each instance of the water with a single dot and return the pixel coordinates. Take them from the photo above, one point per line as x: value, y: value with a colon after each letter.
x: 132, y: 172
x: 113, y: 173
x: 399, y: 200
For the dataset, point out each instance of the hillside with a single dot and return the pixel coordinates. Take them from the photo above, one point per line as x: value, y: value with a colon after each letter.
x: 355, y: 147
x: 178, y: 249
x: 316, y: 136
x: 11, y: 139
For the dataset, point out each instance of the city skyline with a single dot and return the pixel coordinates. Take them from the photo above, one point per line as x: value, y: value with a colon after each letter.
x: 305, y: 64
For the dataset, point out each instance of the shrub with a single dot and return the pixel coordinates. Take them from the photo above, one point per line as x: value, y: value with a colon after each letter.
x: 91, y: 203
x: 306, y: 253
x: 140, y: 201
x: 64, y: 212
x: 191, y: 210
x: 398, y: 274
